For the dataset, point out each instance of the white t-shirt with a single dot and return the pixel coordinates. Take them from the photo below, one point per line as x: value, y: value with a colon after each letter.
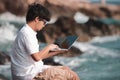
x: 23, y: 65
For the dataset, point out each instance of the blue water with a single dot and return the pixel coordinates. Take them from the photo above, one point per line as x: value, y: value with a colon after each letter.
x: 116, y: 2
x: 110, y: 21
x: 99, y: 67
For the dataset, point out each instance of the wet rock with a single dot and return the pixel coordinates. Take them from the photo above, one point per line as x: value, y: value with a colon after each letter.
x: 4, y: 58
x: 96, y: 28
x: 3, y: 77
x: 50, y: 61
x: 72, y: 52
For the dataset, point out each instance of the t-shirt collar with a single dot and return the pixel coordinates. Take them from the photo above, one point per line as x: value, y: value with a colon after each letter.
x: 34, y: 32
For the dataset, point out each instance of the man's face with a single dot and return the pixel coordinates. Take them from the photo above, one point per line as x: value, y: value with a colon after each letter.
x: 40, y: 23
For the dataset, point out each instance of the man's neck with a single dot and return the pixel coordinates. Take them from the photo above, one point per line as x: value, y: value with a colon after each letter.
x: 31, y: 24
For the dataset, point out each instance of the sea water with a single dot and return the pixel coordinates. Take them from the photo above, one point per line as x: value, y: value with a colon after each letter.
x: 100, y: 59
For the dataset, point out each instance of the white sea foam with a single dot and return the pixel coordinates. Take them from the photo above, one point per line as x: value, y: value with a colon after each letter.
x: 80, y: 18
x: 7, y: 32
x: 104, y: 39
x: 72, y: 62
x: 7, y: 16
x: 104, y: 52
x: 84, y: 46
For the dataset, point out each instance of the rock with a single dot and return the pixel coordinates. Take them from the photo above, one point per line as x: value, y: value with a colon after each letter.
x: 3, y: 77
x: 50, y: 61
x: 96, y: 28
x: 72, y: 52
x: 4, y: 58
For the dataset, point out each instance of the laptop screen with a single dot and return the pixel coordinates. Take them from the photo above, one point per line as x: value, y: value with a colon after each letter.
x: 66, y: 43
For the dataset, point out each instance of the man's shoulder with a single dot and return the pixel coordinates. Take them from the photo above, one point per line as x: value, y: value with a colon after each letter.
x: 23, y: 30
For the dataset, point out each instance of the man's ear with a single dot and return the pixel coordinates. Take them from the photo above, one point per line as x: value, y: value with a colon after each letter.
x: 37, y: 19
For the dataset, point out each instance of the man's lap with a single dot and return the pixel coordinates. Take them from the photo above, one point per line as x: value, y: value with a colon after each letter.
x: 57, y: 73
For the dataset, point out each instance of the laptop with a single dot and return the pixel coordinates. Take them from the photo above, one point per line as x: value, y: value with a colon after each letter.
x: 65, y: 43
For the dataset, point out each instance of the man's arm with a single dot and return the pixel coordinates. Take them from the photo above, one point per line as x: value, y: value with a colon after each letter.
x: 45, y: 53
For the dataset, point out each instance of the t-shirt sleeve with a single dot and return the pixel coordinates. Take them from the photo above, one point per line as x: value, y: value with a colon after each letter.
x: 31, y: 44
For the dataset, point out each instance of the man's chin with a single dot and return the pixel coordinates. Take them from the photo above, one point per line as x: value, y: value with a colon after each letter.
x: 39, y: 29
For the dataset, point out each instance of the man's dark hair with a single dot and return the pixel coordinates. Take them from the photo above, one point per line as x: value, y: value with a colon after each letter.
x: 37, y: 10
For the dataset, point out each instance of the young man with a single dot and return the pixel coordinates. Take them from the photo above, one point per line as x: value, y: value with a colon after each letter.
x: 26, y: 59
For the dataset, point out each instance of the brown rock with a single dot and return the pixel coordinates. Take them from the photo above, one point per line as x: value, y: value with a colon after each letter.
x: 4, y: 58
x: 62, y: 8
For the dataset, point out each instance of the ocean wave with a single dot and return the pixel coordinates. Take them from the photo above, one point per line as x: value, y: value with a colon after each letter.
x: 84, y: 46
x: 72, y: 62
x: 92, y: 49
x: 7, y: 32
x: 104, y: 39
x: 7, y: 16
